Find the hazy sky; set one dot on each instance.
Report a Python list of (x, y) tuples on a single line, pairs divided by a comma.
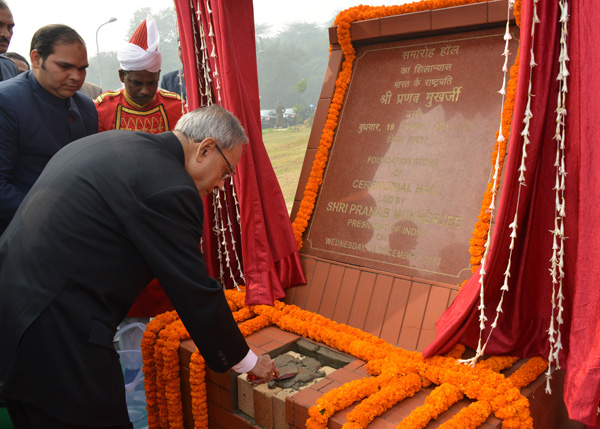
[(86, 16)]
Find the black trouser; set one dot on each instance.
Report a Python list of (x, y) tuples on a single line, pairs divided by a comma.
[(25, 416)]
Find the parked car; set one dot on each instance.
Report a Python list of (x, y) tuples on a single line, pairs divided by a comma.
[(268, 118), (290, 117)]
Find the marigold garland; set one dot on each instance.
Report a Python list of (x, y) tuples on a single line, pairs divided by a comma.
[(395, 374), (440, 400), (198, 386)]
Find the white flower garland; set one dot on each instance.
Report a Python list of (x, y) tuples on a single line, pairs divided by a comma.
[(496, 177), (223, 232), (558, 250)]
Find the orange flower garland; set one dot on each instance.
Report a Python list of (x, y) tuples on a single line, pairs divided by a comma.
[(198, 386), (394, 391), (470, 417), (149, 341), (395, 374), (171, 336), (436, 403)]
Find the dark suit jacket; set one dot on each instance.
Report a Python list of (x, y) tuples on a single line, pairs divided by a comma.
[(8, 69), (170, 82), (109, 213), (34, 125)]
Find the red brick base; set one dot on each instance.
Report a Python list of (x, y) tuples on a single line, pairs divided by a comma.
[(548, 411)]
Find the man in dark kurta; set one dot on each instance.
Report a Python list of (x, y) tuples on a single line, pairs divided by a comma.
[(40, 112), (109, 213)]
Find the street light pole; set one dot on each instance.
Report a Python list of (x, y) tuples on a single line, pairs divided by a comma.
[(113, 19)]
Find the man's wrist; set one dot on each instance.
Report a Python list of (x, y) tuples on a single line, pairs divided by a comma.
[(247, 363)]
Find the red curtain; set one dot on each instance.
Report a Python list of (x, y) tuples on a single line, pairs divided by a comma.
[(526, 313), (271, 261)]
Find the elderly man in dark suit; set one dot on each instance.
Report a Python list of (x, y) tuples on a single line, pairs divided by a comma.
[(109, 213)]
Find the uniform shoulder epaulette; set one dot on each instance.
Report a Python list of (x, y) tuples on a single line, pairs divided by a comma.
[(169, 94), (107, 94)]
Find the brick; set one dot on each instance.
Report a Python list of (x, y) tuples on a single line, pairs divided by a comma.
[(300, 415), (277, 334), (186, 404), (306, 398), (212, 392), (226, 419), (333, 358), (184, 376), (272, 347), (257, 350), (186, 349), (218, 395), (321, 383), (417, 22), (396, 414), (362, 372), (497, 11), (330, 387), (289, 410), (222, 379), (245, 395), (379, 423), (263, 405), (459, 16), (367, 29), (355, 364), (280, 409), (343, 376), (257, 339)]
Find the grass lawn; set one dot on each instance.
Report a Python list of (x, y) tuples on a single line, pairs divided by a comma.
[(286, 148)]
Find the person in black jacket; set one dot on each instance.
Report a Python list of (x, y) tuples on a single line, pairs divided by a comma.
[(8, 68), (41, 111), (109, 213), (175, 81)]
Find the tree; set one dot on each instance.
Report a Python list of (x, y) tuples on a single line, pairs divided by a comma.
[(166, 20), (299, 51)]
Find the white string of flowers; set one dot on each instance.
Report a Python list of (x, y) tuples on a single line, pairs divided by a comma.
[(496, 178), (213, 53), (180, 68), (557, 260), (219, 230), (202, 63), (233, 241)]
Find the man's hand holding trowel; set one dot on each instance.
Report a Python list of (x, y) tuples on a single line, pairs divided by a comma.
[(264, 370)]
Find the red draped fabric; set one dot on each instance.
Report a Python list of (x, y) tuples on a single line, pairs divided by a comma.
[(270, 258), (526, 313)]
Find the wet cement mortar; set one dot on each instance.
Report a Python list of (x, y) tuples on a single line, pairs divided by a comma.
[(307, 370)]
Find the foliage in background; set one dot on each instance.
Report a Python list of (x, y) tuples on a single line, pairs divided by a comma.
[(291, 63), (297, 53), (167, 27)]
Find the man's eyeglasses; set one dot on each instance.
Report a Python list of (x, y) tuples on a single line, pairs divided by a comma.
[(231, 173)]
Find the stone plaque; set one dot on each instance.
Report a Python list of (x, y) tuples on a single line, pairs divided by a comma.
[(412, 156)]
